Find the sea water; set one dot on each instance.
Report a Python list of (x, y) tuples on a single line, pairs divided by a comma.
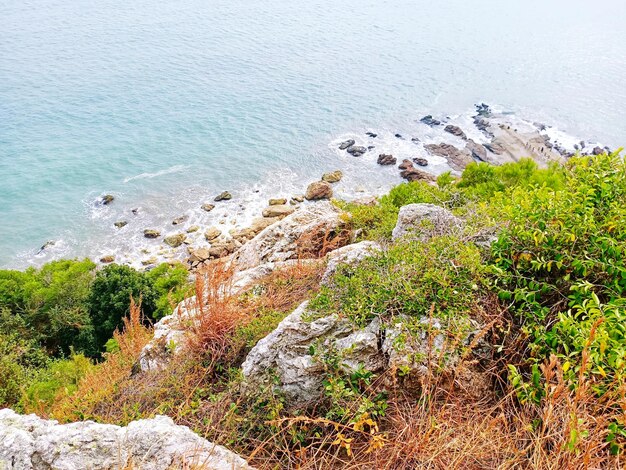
[(166, 104)]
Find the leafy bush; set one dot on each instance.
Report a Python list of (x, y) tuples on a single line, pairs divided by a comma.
[(171, 284), (561, 262), (52, 303)]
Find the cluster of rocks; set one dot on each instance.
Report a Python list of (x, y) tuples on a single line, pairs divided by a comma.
[(31, 443)]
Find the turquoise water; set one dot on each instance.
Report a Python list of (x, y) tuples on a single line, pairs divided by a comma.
[(165, 104)]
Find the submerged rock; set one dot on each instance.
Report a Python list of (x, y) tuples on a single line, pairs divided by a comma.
[(223, 196), (318, 190), (371, 134), (121, 223), (332, 177), (430, 121), (28, 442), (207, 207), (180, 220)]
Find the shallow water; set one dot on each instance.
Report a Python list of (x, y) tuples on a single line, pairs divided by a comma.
[(166, 104)]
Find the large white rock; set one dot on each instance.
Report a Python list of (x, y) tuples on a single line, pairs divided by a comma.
[(349, 254), (32, 443), (279, 242), (424, 221), (286, 353)]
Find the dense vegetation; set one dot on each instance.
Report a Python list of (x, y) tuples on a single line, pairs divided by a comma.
[(536, 271), (54, 318)]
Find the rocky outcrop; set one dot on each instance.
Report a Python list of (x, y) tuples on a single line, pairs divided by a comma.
[(457, 159), (318, 190), (420, 161), (456, 131), (107, 199), (278, 211), (410, 173), (346, 144), (424, 221), (281, 241), (430, 121), (32, 443), (356, 150)]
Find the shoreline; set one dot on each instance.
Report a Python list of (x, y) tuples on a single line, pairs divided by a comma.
[(443, 143)]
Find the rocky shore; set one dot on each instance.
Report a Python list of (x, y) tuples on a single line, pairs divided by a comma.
[(439, 144)]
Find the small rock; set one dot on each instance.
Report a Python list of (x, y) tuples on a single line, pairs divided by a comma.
[(207, 207), (319, 190), (356, 150), (406, 164), (346, 144), (277, 202), (261, 223), (121, 223), (151, 233), (371, 147), (278, 211), (386, 159), (135, 211), (399, 136), (332, 177), (175, 240), (456, 131), (107, 259), (429, 121), (298, 198), (199, 254), (149, 261), (223, 196), (371, 134), (597, 151), (46, 245), (193, 228), (180, 220), (242, 235), (107, 199), (212, 233), (421, 161), (415, 140)]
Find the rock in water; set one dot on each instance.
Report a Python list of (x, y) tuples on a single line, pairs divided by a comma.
[(455, 130), (180, 220), (332, 177), (107, 259), (425, 221), (457, 159), (356, 150), (223, 196), (207, 207), (175, 240), (318, 190), (421, 161), (32, 443), (151, 233), (429, 121), (386, 159), (107, 199), (121, 223), (346, 144)]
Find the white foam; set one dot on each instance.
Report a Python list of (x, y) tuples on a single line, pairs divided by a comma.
[(167, 171)]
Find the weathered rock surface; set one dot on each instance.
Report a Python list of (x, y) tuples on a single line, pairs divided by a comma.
[(456, 131), (107, 259), (318, 190), (32, 443), (280, 241), (107, 199), (349, 254), (420, 161), (121, 223), (386, 159), (410, 173), (424, 221), (207, 207), (278, 211), (457, 159), (212, 233), (333, 176)]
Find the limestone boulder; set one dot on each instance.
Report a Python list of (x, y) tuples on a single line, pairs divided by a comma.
[(424, 221)]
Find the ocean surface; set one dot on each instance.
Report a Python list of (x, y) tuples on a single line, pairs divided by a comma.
[(166, 104)]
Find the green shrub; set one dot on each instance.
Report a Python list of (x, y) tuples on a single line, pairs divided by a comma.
[(561, 262), (171, 284)]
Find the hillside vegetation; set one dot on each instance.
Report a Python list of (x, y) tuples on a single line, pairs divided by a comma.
[(523, 308)]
